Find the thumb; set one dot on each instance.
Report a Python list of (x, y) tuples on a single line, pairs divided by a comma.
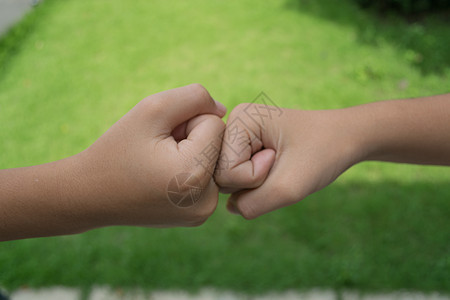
[(202, 146), (176, 106), (249, 174), (277, 191)]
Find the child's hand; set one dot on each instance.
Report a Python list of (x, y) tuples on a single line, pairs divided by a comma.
[(270, 160), (145, 170), (143, 176), (304, 151), (154, 166)]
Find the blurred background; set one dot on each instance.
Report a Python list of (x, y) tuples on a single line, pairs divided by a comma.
[(70, 69)]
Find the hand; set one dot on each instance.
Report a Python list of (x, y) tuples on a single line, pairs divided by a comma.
[(144, 170), (277, 160), (155, 147)]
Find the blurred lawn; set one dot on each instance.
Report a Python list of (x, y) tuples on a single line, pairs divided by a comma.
[(72, 68)]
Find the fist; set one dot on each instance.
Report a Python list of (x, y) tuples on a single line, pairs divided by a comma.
[(154, 166), (274, 157)]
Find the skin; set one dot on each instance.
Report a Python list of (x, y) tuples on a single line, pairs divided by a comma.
[(270, 158), (282, 158), (122, 178)]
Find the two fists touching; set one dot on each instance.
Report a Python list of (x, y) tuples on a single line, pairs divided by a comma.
[(163, 163), (274, 157), (158, 141)]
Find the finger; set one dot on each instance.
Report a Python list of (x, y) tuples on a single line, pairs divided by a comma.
[(242, 163), (276, 192), (202, 146), (249, 174), (207, 204), (178, 105)]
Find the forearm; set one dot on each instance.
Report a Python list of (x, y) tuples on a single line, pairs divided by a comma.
[(43, 200), (406, 131)]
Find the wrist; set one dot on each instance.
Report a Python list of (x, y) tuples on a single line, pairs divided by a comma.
[(374, 129), (348, 134), (75, 198), (89, 191)]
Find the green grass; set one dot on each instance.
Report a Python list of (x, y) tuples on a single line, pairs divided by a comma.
[(72, 68)]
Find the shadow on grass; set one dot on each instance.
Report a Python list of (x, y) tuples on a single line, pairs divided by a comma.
[(367, 236), (425, 43)]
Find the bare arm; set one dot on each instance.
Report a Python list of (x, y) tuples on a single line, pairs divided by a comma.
[(407, 131), (281, 160), (43, 200), (122, 179)]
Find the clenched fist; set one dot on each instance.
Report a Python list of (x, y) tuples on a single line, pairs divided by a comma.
[(148, 169), (275, 157)]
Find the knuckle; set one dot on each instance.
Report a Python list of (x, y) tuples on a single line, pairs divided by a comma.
[(197, 86), (239, 109), (216, 124), (200, 90), (240, 120)]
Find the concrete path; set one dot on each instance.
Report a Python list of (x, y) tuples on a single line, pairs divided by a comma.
[(103, 293), (12, 11)]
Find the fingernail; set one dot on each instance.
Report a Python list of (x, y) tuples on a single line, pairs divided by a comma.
[(221, 107)]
